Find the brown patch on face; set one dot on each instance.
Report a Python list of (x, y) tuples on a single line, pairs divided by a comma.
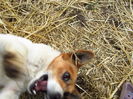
[(59, 66), (66, 66)]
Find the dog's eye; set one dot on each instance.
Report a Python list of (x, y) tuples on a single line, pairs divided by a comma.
[(66, 76)]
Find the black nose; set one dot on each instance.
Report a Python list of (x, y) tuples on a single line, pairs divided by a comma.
[(54, 96)]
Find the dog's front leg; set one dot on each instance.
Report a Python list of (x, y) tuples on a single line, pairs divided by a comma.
[(10, 91), (9, 94)]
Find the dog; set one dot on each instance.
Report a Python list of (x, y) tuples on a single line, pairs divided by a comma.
[(25, 65)]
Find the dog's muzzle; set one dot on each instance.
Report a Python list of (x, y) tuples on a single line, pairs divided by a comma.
[(39, 85)]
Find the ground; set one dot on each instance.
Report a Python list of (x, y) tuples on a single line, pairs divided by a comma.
[(103, 26)]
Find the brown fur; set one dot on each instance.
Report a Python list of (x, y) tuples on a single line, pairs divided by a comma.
[(69, 62), (59, 66)]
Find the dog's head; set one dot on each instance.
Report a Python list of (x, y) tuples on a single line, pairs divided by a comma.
[(59, 80)]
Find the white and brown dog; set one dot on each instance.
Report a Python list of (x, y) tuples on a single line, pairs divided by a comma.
[(38, 68)]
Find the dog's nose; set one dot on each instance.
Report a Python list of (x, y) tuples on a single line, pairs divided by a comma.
[(54, 96)]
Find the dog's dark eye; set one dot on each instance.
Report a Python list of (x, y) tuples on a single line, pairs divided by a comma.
[(66, 76)]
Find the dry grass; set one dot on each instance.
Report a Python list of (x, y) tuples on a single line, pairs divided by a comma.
[(105, 26)]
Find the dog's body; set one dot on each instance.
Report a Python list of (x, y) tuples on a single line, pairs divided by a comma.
[(36, 67), (35, 55)]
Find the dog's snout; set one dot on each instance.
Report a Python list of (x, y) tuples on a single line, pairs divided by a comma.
[(54, 96)]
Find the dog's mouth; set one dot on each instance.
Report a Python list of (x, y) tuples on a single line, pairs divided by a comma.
[(39, 85)]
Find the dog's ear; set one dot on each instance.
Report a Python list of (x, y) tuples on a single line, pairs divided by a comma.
[(81, 57)]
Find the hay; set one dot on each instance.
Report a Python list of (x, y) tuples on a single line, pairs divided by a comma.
[(105, 26)]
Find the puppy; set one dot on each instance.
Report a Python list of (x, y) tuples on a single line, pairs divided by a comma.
[(38, 68)]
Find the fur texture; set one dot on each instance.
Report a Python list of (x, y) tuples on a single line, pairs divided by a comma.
[(38, 67), (20, 61)]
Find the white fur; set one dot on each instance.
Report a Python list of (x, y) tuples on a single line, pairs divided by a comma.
[(53, 85), (38, 57)]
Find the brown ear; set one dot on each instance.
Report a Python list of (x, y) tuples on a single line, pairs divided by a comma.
[(82, 57)]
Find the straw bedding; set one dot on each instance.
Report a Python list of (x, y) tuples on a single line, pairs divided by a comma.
[(104, 26)]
